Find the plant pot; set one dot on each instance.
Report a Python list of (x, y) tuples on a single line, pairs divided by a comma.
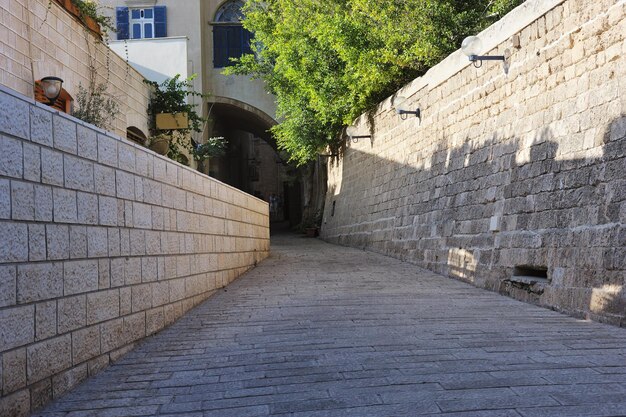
[(160, 145), (312, 231), (87, 21), (70, 7), (92, 25), (172, 121), (182, 159)]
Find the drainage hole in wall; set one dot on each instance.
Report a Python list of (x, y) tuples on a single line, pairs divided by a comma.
[(530, 274)]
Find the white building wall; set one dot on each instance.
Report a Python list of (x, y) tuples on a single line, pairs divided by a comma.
[(156, 59)]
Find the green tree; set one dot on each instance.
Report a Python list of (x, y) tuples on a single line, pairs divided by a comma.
[(329, 61)]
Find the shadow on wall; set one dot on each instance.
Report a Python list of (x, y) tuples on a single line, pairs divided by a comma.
[(481, 213)]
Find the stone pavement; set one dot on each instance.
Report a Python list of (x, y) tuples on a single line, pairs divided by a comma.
[(322, 330)]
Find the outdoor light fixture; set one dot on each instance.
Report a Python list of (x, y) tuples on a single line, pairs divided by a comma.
[(51, 87), (472, 46), (400, 104), (353, 132)]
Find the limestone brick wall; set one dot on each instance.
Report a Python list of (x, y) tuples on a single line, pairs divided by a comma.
[(39, 38), (102, 243), (508, 175)]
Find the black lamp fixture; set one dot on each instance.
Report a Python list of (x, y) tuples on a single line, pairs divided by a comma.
[(353, 132), (472, 46), (51, 87), (400, 104)]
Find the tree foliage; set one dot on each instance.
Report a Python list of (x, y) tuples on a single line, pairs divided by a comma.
[(327, 61)]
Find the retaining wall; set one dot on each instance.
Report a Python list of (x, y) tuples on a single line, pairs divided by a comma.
[(39, 38), (513, 181), (102, 243)]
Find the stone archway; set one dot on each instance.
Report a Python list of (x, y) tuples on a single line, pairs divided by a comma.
[(236, 113), (252, 162)]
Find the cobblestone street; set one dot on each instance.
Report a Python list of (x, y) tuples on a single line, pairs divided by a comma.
[(322, 330)]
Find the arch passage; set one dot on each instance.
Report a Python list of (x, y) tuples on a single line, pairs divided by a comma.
[(252, 162)]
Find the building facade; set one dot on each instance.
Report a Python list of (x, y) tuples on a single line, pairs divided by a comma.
[(162, 38)]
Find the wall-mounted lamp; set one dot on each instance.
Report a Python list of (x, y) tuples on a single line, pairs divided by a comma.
[(354, 134), (51, 87), (472, 46), (400, 104)]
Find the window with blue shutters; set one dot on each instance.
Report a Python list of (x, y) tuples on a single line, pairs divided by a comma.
[(230, 38), (141, 23), (121, 15), (160, 22)]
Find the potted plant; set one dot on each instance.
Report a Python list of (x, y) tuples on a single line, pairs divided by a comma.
[(87, 12), (170, 114), (168, 108), (312, 231), (311, 224), (160, 143)]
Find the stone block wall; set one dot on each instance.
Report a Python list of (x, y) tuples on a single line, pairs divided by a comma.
[(102, 243), (513, 181), (39, 38)]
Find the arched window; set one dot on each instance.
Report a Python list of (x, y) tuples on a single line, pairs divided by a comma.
[(230, 39), (136, 135), (230, 12)]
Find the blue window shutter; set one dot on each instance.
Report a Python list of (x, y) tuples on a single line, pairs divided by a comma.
[(160, 22), (220, 46), (121, 14), (247, 41), (235, 42)]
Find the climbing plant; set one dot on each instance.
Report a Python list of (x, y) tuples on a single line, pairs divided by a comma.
[(94, 103)]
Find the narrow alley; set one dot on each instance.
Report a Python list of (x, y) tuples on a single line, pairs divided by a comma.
[(322, 330)]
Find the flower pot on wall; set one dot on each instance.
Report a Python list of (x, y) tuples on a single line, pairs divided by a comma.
[(312, 231), (160, 144), (92, 25), (87, 21), (172, 121), (70, 7), (182, 159)]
